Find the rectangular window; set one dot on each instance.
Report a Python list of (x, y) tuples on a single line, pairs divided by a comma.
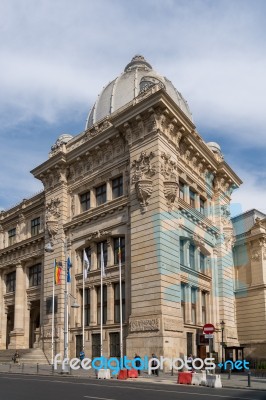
[(11, 282), (87, 307), (192, 256), (117, 302), (99, 304), (117, 187), (203, 305), (182, 254), (115, 344), (202, 262), (85, 201), (49, 305), (183, 300), (95, 345), (193, 305), (35, 226), (182, 190), (116, 248), (100, 193), (99, 254), (11, 236), (35, 275), (192, 196), (202, 206)]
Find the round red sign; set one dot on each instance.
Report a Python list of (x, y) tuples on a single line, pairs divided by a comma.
[(208, 329)]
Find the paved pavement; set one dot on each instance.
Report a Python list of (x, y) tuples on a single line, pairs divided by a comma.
[(237, 380)]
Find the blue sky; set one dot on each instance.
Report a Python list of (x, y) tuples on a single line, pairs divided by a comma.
[(57, 55)]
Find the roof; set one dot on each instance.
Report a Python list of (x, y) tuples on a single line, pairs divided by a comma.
[(136, 78)]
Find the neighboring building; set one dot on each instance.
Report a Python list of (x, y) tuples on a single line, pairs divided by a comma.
[(250, 277), (142, 173)]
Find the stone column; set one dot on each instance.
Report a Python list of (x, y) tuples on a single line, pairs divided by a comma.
[(188, 304), (109, 194), (197, 202), (17, 335), (92, 198), (110, 304), (110, 253), (186, 193), (2, 314), (197, 259), (93, 247), (1, 237), (93, 305), (199, 308)]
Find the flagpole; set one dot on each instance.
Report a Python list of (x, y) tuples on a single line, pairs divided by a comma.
[(66, 306), (120, 295), (83, 306), (101, 344), (52, 361)]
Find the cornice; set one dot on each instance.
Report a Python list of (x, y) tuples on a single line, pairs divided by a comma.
[(22, 250), (99, 212), (197, 218)]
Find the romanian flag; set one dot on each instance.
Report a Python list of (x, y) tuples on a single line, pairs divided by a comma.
[(57, 272)]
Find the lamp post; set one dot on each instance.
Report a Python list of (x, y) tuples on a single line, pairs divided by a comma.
[(222, 323)]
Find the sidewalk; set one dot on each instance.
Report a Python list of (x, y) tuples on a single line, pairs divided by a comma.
[(237, 380)]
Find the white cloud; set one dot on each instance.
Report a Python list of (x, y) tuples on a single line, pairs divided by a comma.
[(56, 56)]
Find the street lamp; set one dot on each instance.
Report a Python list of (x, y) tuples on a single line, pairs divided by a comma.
[(222, 323), (50, 249)]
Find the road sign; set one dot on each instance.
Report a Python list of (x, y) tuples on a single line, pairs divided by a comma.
[(208, 336), (208, 329)]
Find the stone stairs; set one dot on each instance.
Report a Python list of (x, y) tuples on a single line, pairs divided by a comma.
[(27, 356)]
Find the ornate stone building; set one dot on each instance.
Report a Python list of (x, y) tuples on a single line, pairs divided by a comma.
[(250, 278), (142, 173)]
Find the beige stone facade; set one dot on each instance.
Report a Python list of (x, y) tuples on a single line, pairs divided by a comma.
[(250, 278), (142, 173)]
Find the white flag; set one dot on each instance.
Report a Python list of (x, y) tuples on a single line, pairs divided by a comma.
[(102, 262), (86, 264)]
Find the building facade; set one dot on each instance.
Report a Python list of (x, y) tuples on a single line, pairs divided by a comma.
[(141, 174), (250, 281)]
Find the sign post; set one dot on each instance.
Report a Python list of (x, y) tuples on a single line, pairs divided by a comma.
[(208, 331)]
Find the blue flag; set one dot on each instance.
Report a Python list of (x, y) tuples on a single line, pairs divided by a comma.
[(69, 265)]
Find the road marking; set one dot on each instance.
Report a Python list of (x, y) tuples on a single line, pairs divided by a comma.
[(136, 388), (100, 398)]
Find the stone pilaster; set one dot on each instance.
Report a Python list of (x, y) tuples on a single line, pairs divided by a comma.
[(93, 301), (110, 304), (199, 308), (17, 335)]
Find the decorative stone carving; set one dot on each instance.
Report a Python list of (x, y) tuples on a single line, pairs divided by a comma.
[(144, 191), (142, 168), (169, 171), (52, 215), (168, 167), (145, 325), (170, 192), (142, 172)]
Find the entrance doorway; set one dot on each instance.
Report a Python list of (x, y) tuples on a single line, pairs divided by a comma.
[(115, 344), (9, 324), (78, 345), (34, 333)]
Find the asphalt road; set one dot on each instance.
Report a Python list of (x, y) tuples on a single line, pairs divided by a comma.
[(25, 387)]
